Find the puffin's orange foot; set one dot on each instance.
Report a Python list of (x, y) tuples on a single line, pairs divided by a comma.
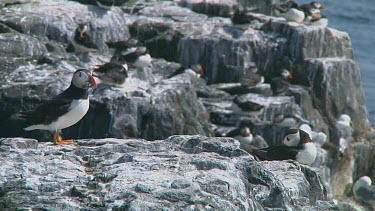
[(64, 142)]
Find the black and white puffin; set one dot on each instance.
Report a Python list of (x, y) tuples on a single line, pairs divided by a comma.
[(194, 70), (242, 105), (82, 40), (285, 120), (64, 110), (280, 84), (242, 134), (112, 73), (297, 145), (135, 56), (290, 11), (251, 79)]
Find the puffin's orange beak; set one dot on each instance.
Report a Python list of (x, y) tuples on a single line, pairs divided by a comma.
[(201, 72), (290, 76), (92, 81), (81, 34)]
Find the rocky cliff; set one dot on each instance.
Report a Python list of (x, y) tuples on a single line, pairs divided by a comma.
[(36, 64)]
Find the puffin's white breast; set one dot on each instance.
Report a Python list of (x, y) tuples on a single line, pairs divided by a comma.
[(294, 15), (308, 154), (143, 61), (77, 110)]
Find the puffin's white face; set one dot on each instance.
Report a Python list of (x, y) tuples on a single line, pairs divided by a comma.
[(292, 138), (83, 80), (286, 74)]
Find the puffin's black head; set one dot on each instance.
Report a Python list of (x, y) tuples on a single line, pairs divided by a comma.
[(82, 28), (317, 5), (83, 79), (198, 69), (292, 137)]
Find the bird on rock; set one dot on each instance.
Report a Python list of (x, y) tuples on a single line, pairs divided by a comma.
[(243, 135), (363, 191), (313, 4), (285, 120), (290, 11), (112, 73), (82, 40), (342, 132), (297, 145), (243, 106), (195, 70), (251, 79), (131, 53), (64, 110), (280, 84)]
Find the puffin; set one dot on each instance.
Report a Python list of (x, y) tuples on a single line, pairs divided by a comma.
[(313, 4), (285, 120), (280, 84), (243, 106), (63, 110), (319, 138), (242, 134), (363, 191), (82, 40), (251, 79), (112, 73), (318, 20), (297, 145), (196, 70), (290, 11), (342, 132), (135, 57)]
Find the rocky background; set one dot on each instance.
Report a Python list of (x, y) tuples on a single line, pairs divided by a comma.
[(181, 172)]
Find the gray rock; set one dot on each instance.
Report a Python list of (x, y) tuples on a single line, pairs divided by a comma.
[(35, 176)]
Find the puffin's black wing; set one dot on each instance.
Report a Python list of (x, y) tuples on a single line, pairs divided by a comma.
[(132, 55), (279, 85), (250, 79), (233, 133), (247, 105), (85, 40), (46, 112), (177, 72), (280, 152)]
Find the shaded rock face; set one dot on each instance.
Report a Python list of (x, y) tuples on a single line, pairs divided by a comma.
[(181, 172), (318, 57)]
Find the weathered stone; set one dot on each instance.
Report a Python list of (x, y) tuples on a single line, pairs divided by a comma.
[(49, 177)]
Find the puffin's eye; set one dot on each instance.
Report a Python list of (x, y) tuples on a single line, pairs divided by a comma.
[(80, 74)]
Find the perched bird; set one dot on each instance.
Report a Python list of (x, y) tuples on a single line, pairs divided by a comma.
[(318, 20), (280, 84), (135, 56), (285, 120), (251, 79), (194, 70), (319, 138), (363, 191), (259, 142), (313, 4), (108, 4), (64, 110), (290, 11), (242, 105), (342, 132), (82, 40), (123, 44), (243, 135), (297, 145), (112, 73)]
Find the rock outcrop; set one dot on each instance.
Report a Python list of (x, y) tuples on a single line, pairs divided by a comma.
[(181, 172)]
